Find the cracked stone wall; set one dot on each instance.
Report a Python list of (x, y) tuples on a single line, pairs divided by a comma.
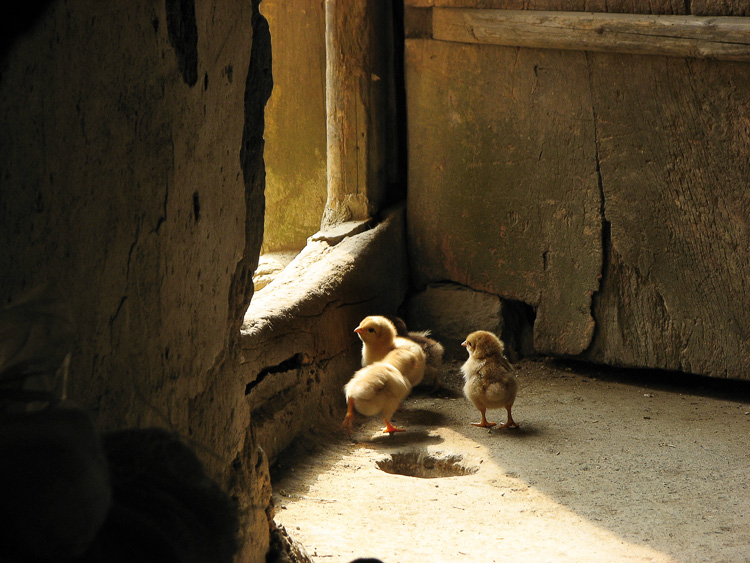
[(607, 192), (131, 177)]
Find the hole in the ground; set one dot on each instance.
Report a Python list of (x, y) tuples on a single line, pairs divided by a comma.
[(425, 466)]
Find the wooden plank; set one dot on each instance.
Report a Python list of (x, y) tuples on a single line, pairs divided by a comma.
[(725, 38), (674, 155), (672, 7), (503, 188)]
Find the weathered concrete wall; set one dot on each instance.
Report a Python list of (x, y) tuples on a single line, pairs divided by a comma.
[(609, 192), (132, 176), (295, 124)]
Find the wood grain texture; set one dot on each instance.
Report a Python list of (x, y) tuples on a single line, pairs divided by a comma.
[(360, 100), (503, 192), (610, 6), (667, 7), (726, 38), (532, 172), (674, 145), (720, 7)]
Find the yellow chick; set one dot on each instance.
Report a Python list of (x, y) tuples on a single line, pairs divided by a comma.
[(489, 379), (432, 348), (379, 337), (380, 387)]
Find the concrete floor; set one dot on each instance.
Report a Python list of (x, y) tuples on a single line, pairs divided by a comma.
[(607, 465)]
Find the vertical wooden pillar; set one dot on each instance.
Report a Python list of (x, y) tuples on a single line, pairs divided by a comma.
[(359, 50)]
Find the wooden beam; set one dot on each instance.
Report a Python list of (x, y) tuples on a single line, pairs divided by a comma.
[(725, 38)]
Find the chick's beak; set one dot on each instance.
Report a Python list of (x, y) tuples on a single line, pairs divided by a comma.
[(464, 344), (359, 330)]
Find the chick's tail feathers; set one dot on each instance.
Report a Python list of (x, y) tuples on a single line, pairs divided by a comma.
[(420, 333), (503, 361), (365, 384)]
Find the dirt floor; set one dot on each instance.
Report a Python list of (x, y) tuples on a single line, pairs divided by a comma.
[(607, 466)]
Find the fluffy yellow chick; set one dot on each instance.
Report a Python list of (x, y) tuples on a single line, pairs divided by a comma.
[(380, 387), (379, 337), (432, 348), (489, 379)]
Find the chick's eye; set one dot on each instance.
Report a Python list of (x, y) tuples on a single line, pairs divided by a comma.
[(370, 330)]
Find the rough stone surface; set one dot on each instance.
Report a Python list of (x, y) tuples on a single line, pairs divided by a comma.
[(107, 165), (270, 265), (298, 342), (451, 312), (139, 192)]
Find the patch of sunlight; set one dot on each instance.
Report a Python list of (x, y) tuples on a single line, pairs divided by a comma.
[(351, 509), (270, 265)]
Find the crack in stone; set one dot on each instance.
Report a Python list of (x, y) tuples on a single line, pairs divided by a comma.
[(606, 226), (183, 36), (294, 362)]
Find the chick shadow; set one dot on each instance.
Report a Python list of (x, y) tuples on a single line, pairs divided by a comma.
[(439, 393), (408, 418), (524, 431), (397, 439), (421, 417)]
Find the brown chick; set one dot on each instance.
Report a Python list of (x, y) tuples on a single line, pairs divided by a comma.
[(379, 337), (432, 348), (489, 379), (380, 387)]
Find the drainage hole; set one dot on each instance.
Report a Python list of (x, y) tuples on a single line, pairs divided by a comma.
[(425, 466)]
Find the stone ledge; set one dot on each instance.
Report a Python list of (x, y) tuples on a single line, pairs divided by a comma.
[(298, 342)]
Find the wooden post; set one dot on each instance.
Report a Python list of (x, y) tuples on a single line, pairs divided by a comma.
[(358, 79)]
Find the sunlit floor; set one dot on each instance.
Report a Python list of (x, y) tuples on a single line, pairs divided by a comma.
[(604, 468)]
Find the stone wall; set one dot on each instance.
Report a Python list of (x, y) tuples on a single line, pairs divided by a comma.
[(132, 178), (608, 192)]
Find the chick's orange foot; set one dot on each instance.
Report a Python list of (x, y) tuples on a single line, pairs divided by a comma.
[(390, 429)]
